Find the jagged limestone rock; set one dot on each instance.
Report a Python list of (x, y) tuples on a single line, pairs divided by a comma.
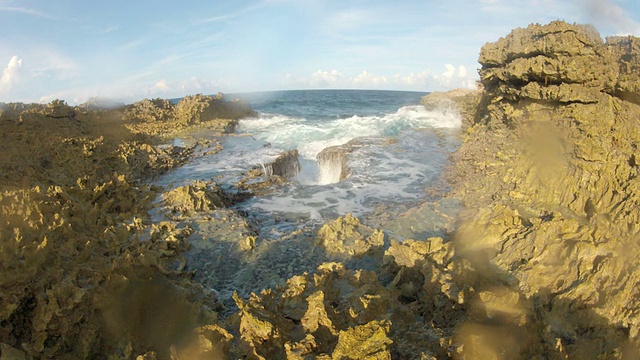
[(75, 224), (347, 236), (549, 178), (162, 118), (196, 197), (367, 341), (312, 313)]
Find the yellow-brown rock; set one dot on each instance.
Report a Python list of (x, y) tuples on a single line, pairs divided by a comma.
[(549, 177), (346, 236)]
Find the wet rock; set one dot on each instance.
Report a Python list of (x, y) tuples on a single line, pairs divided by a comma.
[(263, 179), (286, 165), (462, 102), (332, 164)]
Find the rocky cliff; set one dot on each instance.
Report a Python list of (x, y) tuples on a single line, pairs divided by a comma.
[(162, 117), (549, 177)]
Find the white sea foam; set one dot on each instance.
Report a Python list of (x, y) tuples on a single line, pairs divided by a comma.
[(311, 137), (383, 172)]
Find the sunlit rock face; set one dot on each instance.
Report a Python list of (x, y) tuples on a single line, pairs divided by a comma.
[(551, 182)]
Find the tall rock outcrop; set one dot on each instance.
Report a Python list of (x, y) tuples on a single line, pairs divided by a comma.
[(549, 176)]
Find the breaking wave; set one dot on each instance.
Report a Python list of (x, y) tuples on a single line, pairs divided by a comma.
[(310, 137)]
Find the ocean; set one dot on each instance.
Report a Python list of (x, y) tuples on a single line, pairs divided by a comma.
[(397, 150)]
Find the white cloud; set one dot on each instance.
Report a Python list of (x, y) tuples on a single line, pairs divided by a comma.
[(161, 86), (10, 73), (413, 79), (27, 11), (330, 78), (451, 70), (364, 79), (606, 13), (424, 80), (462, 71), (192, 85)]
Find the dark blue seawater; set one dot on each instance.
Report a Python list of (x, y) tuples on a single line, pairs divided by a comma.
[(330, 104)]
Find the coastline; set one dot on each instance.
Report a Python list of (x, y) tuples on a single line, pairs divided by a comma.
[(541, 263)]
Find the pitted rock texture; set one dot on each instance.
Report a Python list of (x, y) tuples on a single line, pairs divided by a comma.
[(84, 271), (160, 117), (549, 177)]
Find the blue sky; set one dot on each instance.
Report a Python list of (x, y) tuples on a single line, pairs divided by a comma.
[(129, 50)]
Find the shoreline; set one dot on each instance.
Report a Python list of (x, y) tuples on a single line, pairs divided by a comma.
[(541, 263)]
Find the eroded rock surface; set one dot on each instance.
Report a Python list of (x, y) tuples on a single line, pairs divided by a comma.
[(160, 117), (549, 177), (85, 272), (542, 263), (332, 164)]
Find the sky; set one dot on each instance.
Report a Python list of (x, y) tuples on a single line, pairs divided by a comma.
[(129, 50)]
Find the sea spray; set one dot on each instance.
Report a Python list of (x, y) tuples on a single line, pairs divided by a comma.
[(332, 165), (310, 137)]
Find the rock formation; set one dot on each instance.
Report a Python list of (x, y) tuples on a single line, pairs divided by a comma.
[(79, 255), (263, 179), (543, 262), (549, 177), (332, 164), (286, 165), (162, 117)]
